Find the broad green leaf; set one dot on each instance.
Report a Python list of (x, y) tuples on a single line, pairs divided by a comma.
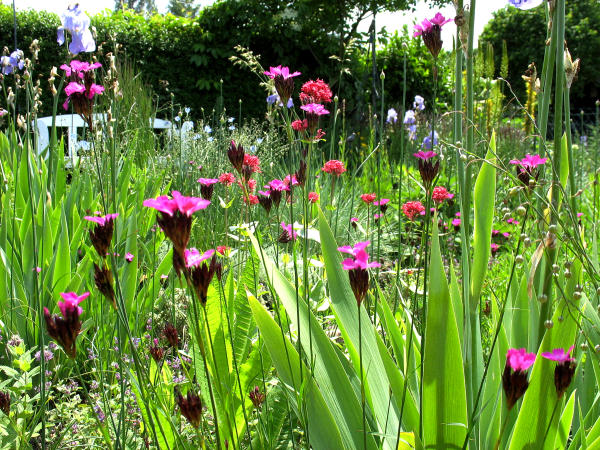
[(323, 430), (444, 400), (564, 427), (541, 398), (344, 307), (328, 371)]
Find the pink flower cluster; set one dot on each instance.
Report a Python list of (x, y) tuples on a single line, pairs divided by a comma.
[(360, 257)]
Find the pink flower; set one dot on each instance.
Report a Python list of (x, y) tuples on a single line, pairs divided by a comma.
[(315, 108), (383, 201), (494, 248), (71, 303), (530, 161), (519, 360), (265, 193), (252, 200), (440, 194), (334, 167), (286, 181), (559, 355), (378, 216), (251, 164), (129, 257), (360, 257), (412, 209), (313, 197), (300, 125), (95, 89), (79, 67), (207, 181), (280, 71), (425, 155), (288, 233), (277, 185), (368, 198), (101, 220), (74, 88), (315, 92), (440, 20), (513, 221), (223, 249), (423, 27), (193, 257), (227, 178), (185, 205), (456, 223)]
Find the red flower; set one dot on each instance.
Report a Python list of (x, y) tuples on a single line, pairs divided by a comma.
[(313, 197), (227, 178), (300, 125), (252, 162), (252, 199), (412, 209), (315, 92), (368, 198), (440, 194), (334, 167)]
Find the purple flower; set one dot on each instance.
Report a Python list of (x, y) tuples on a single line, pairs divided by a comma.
[(11, 62), (427, 140), (525, 4), (409, 117), (392, 116), (76, 22), (559, 355), (419, 103)]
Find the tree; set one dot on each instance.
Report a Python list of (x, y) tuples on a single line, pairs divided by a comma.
[(183, 8), (525, 36), (139, 6)]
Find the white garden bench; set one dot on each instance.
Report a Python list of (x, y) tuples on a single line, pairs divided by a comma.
[(74, 122)]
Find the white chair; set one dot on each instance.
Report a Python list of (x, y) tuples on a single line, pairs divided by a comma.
[(73, 123)]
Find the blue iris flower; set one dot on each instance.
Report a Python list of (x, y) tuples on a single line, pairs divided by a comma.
[(11, 62), (76, 22)]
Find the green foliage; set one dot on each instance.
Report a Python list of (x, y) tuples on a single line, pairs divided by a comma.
[(525, 35)]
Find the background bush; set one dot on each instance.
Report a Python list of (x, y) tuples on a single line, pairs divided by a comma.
[(192, 55)]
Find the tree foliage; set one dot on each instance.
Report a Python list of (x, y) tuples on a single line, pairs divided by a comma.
[(525, 35)]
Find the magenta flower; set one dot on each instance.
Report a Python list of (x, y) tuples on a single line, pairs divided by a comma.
[(425, 155), (74, 88), (288, 234), (79, 67), (129, 257), (277, 185), (383, 201), (315, 108), (519, 360), (440, 20), (265, 193), (530, 161), (101, 220), (280, 71), (71, 303), (559, 355), (423, 27), (185, 205), (193, 257), (360, 258)]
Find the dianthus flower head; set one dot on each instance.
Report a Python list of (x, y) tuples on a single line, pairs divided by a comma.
[(514, 378), (357, 267), (227, 178), (564, 370), (207, 187), (431, 32), (425, 155), (300, 125), (64, 330), (193, 257), (334, 166), (440, 193), (368, 198), (530, 161), (315, 92), (315, 108), (102, 233), (412, 209), (383, 204), (288, 234), (427, 168), (283, 80), (236, 156), (277, 185), (251, 164), (176, 222), (313, 197)]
